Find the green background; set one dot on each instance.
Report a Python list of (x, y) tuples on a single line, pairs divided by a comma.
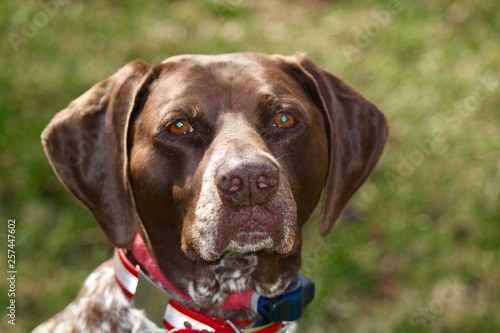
[(418, 247)]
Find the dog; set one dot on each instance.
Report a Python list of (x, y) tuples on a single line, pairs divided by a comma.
[(201, 170)]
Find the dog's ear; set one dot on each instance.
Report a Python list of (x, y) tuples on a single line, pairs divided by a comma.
[(357, 133), (87, 146)]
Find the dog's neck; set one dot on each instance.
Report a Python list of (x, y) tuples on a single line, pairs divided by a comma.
[(223, 288), (140, 279)]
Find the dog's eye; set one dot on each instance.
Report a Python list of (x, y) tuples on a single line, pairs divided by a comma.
[(284, 120), (180, 127)]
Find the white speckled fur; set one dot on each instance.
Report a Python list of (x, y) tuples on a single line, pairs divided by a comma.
[(100, 307)]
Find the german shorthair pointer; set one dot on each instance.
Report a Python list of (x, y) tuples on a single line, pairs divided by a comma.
[(201, 170)]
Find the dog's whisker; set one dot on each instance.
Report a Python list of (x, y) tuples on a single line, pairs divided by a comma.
[(280, 157)]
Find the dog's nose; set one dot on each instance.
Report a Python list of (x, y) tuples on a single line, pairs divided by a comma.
[(247, 182)]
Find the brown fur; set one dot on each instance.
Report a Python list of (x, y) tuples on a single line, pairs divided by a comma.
[(220, 207)]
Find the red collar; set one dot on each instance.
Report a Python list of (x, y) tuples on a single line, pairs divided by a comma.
[(153, 293)]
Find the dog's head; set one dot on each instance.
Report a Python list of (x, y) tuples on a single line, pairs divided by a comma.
[(209, 155)]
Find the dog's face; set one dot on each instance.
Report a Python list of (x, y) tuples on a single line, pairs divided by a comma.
[(217, 161), (232, 151)]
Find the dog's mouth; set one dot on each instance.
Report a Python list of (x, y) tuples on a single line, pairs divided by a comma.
[(247, 230), (244, 242), (256, 229)]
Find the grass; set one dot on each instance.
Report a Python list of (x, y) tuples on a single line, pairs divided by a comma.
[(419, 249)]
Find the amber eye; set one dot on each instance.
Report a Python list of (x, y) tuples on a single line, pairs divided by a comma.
[(284, 120), (180, 127)]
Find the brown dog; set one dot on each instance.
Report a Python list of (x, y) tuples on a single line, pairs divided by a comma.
[(216, 162)]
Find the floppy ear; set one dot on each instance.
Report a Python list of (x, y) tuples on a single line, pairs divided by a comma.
[(357, 132), (87, 146)]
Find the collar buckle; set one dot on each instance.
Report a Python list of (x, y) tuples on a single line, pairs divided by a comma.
[(286, 307)]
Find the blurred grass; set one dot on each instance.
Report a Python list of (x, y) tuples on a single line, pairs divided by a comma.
[(418, 250)]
